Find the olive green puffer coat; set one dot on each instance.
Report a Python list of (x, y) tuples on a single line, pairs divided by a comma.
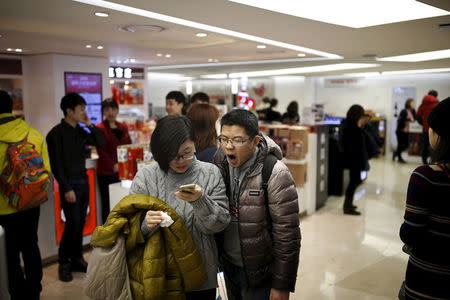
[(165, 265)]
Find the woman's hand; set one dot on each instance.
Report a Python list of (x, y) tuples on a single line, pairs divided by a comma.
[(190, 195), (153, 218)]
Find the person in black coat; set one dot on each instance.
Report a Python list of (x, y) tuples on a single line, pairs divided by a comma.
[(406, 116), (355, 154)]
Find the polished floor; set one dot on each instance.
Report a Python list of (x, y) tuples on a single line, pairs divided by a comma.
[(342, 257)]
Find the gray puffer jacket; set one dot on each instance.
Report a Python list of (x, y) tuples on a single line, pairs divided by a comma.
[(269, 233)]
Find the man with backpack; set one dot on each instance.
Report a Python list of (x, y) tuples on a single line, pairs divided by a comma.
[(22, 151), (260, 248), (66, 146)]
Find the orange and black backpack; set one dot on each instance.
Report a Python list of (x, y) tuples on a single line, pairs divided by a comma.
[(24, 181)]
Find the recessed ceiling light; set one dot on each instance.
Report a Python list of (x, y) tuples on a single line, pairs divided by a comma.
[(9, 49), (204, 27), (88, 46), (132, 60), (210, 60), (18, 50), (99, 47), (158, 54), (335, 12), (168, 55), (201, 34), (301, 54), (1, 35), (303, 70), (261, 46), (101, 14), (423, 56)]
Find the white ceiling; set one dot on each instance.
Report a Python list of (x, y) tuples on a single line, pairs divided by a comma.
[(65, 26)]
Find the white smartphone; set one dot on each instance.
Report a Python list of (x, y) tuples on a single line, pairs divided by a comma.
[(187, 187)]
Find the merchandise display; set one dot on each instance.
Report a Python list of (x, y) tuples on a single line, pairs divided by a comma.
[(132, 158)]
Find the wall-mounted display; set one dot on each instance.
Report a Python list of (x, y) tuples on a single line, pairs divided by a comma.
[(89, 86)]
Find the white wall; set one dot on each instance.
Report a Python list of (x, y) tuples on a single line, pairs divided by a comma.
[(157, 87), (290, 88), (44, 85)]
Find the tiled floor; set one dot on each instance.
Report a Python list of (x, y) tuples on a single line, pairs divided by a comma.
[(342, 257)]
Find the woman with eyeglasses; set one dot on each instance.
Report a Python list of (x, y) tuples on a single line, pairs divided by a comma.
[(203, 208)]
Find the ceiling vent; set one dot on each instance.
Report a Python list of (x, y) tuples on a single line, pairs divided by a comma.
[(142, 28), (369, 56)]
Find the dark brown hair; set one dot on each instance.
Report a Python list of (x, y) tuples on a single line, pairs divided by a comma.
[(408, 103), (203, 118)]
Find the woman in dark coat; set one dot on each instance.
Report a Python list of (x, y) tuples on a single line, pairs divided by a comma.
[(354, 150), (291, 116), (406, 116)]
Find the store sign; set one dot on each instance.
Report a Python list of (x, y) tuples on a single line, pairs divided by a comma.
[(126, 73), (343, 82)]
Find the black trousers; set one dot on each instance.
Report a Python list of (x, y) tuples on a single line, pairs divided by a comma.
[(402, 141), (425, 147), (21, 238), (103, 183), (75, 214), (355, 181)]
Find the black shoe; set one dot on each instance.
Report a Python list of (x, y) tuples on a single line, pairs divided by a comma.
[(78, 265), (353, 207), (401, 160), (353, 212), (64, 272)]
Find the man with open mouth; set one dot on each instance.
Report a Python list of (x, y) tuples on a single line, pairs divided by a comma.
[(261, 246)]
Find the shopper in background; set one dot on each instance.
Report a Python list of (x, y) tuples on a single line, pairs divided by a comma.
[(200, 98), (426, 229), (20, 227), (261, 246), (291, 115), (271, 114), (176, 103), (203, 118), (262, 108), (407, 115), (115, 134), (428, 103), (204, 209), (353, 146), (66, 146)]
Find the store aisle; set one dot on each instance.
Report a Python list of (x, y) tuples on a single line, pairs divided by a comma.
[(357, 257), (342, 257)]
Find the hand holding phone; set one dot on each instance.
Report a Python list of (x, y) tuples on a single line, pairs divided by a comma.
[(189, 192)]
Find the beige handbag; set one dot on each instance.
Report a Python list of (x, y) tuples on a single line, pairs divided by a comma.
[(107, 273)]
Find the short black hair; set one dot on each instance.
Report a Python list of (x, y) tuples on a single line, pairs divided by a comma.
[(354, 113), (109, 102), (433, 93), (71, 100), (6, 102), (200, 96), (243, 118), (273, 102), (170, 133), (177, 96)]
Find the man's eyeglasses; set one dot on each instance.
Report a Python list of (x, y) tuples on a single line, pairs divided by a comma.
[(186, 156), (236, 141)]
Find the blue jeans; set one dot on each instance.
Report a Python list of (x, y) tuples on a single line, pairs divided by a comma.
[(238, 287)]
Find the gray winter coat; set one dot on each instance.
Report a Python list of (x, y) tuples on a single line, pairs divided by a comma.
[(269, 232)]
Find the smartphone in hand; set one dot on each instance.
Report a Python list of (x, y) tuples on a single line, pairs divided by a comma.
[(187, 188)]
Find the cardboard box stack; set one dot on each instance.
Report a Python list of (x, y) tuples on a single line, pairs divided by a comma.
[(293, 141)]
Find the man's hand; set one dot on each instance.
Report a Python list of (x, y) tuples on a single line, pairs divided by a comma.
[(190, 195), (153, 218), (70, 196), (278, 294), (87, 121), (116, 168)]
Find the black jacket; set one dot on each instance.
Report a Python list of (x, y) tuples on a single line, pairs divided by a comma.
[(66, 149), (353, 145)]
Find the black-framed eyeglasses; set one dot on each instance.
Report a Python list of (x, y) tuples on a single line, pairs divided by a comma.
[(236, 141), (186, 156)]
